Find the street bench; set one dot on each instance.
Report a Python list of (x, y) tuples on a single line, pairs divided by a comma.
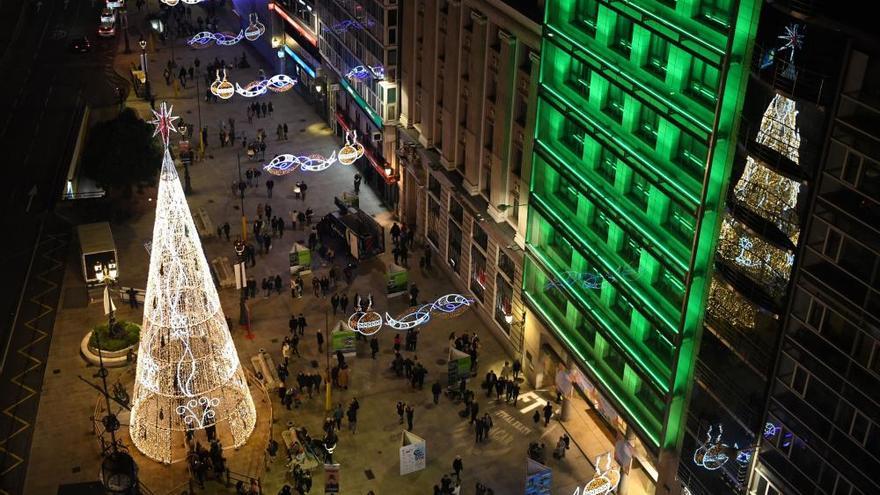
[(264, 365), (204, 224), (223, 268)]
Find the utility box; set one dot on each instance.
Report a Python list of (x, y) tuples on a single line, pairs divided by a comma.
[(96, 246)]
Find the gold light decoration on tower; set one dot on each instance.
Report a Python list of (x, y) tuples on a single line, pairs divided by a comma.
[(188, 373)]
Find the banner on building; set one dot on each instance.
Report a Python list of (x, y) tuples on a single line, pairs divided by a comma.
[(331, 478), (539, 478), (413, 455)]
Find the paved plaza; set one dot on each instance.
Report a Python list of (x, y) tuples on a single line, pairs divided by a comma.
[(65, 449)]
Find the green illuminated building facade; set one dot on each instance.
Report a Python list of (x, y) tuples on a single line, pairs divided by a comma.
[(637, 115)]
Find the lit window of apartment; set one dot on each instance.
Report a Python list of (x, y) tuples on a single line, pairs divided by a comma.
[(621, 39)]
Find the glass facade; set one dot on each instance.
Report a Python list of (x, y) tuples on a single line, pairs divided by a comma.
[(636, 120)]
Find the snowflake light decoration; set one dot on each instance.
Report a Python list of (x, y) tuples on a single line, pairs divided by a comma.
[(164, 122), (349, 25), (793, 40)]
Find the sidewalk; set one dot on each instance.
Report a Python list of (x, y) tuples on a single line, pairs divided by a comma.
[(63, 444)]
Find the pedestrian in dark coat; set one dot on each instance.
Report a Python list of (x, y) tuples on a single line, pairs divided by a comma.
[(548, 413), (320, 337), (410, 412)]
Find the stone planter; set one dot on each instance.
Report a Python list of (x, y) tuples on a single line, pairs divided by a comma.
[(112, 359)]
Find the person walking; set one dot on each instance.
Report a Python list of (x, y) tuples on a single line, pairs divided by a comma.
[(278, 284), (352, 418), (505, 371), (457, 467), (284, 128), (436, 389), (400, 410), (374, 347), (548, 413), (410, 412), (226, 229), (475, 409), (338, 414), (270, 108), (413, 295), (395, 233), (270, 184), (343, 303), (301, 323), (357, 183), (517, 368), (319, 336), (334, 302)]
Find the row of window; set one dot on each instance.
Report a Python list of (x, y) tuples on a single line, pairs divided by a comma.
[(650, 51), (683, 149), (612, 369)]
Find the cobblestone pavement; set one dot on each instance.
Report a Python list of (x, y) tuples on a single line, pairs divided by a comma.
[(65, 450)]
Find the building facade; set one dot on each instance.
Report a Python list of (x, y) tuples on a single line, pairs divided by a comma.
[(638, 111), (821, 429), (294, 38), (468, 82), (358, 42)]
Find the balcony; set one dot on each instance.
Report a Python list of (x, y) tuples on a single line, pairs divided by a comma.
[(741, 404), (795, 81)]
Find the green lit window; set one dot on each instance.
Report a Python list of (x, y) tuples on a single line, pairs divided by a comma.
[(587, 15), (649, 124), (703, 82), (587, 331), (622, 309), (631, 253), (557, 298), (621, 41), (600, 226), (670, 288), (606, 165), (660, 345), (716, 12), (615, 361), (639, 189), (614, 103), (680, 223), (579, 75), (573, 137), (692, 154), (658, 56), (650, 400), (567, 194), (561, 247)]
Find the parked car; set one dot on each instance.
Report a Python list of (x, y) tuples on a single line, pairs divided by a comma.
[(108, 15)]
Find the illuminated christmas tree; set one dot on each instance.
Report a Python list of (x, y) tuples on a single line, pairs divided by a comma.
[(188, 373)]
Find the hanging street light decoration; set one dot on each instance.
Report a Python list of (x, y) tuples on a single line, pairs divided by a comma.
[(222, 88), (205, 39), (285, 164), (362, 72), (255, 28), (712, 454), (278, 83), (604, 481), (349, 25), (172, 3), (369, 322), (352, 150)]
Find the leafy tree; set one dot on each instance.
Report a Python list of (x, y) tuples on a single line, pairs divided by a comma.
[(122, 152)]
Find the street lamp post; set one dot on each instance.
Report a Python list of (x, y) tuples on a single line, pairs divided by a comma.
[(106, 274), (143, 44), (187, 185), (197, 63), (241, 199)]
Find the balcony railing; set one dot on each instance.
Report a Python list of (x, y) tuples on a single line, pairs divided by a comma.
[(797, 81), (755, 352), (732, 398)]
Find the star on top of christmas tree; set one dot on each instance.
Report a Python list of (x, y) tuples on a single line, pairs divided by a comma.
[(164, 122)]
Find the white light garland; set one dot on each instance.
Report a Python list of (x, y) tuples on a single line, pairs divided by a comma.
[(277, 83), (204, 39), (255, 28), (172, 3), (369, 322), (712, 454), (604, 481), (362, 72), (222, 88), (188, 372), (352, 150)]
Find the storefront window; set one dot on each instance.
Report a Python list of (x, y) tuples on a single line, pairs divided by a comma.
[(479, 278), (503, 302), (454, 249), (433, 223)]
